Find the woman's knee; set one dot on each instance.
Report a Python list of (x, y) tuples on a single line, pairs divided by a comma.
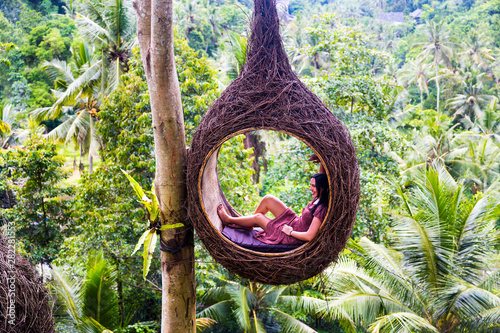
[(270, 198)]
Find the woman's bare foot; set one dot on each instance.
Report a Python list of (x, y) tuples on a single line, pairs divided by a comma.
[(222, 214)]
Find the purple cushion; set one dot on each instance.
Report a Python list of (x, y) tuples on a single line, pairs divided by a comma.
[(244, 238)]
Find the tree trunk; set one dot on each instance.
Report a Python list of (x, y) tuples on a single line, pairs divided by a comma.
[(91, 163), (437, 84), (421, 100), (156, 41)]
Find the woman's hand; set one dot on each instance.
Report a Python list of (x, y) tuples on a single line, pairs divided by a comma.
[(314, 158), (287, 230)]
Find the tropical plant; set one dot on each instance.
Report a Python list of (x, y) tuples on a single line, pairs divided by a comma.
[(437, 278), (235, 46), (477, 48), (41, 215), (478, 161), (149, 237), (250, 304), (416, 73), (437, 47), (110, 24), (432, 143), (6, 120), (80, 86), (89, 304), (469, 100), (488, 123)]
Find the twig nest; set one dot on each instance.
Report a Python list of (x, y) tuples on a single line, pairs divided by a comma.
[(24, 302), (268, 95)]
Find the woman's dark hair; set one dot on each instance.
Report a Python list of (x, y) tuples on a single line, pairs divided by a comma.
[(323, 189)]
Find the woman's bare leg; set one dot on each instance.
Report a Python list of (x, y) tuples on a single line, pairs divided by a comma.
[(270, 203), (256, 220)]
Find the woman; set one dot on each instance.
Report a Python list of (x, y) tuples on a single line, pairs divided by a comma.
[(286, 228)]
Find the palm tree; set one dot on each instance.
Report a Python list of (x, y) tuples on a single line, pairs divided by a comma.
[(109, 24), (189, 12), (236, 48), (80, 86), (470, 99), (477, 48), (249, 304), (489, 121), (416, 73), (91, 304), (479, 161), (436, 279), (438, 47), (431, 144)]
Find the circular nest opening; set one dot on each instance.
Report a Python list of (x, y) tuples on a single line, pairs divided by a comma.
[(268, 95), (211, 181)]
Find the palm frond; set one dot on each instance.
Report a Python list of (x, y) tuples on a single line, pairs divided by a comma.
[(306, 304), (401, 322), (202, 323), (69, 292), (476, 229), (241, 296), (491, 281), (290, 324), (272, 296), (59, 69), (100, 301), (218, 311), (85, 80), (486, 321), (92, 31)]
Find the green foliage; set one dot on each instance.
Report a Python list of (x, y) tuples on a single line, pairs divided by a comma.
[(197, 82), (41, 216), (149, 237), (253, 306), (89, 304), (350, 83), (5, 48), (435, 279), (235, 175), (377, 148), (49, 40), (107, 213)]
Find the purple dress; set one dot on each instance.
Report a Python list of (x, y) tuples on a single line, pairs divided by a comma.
[(274, 234)]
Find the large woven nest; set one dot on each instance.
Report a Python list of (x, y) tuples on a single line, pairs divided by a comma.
[(32, 310), (268, 95)]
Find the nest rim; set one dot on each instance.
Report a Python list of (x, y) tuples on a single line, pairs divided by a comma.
[(202, 205)]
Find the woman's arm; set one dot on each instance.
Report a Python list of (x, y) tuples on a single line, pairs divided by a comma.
[(305, 235), (315, 159)]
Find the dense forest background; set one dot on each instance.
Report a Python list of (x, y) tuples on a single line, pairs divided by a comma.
[(415, 82)]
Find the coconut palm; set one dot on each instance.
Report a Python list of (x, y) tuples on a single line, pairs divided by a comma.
[(249, 304), (488, 122), (479, 161), (431, 144), (235, 47), (415, 72), (437, 278), (477, 48), (109, 24), (437, 47), (90, 304), (80, 86), (469, 99)]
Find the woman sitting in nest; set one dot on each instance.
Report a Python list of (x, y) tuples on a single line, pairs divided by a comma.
[(286, 228)]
